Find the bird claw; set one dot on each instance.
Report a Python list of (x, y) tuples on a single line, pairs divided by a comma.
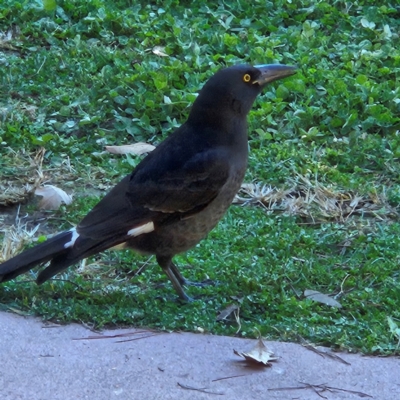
[(206, 282), (186, 299)]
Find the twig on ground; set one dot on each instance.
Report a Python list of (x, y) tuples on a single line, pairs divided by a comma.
[(320, 388), (203, 390)]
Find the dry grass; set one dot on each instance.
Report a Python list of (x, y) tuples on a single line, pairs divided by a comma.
[(316, 202), (22, 175), (310, 200), (15, 238)]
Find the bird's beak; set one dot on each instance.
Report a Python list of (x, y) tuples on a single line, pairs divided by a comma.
[(272, 72)]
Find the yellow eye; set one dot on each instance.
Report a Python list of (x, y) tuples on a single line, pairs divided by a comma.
[(246, 77)]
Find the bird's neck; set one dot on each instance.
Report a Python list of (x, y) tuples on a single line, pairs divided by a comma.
[(220, 126), (220, 119), (224, 116)]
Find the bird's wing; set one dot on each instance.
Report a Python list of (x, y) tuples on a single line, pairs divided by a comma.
[(151, 193), (185, 190), (112, 216)]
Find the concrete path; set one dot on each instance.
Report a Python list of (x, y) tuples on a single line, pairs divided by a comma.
[(40, 361)]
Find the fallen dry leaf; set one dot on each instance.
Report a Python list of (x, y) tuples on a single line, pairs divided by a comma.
[(394, 330), (321, 298), (52, 197), (227, 312), (260, 354), (159, 51), (137, 148)]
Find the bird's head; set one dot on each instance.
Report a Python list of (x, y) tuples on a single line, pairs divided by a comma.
[(233, 90)]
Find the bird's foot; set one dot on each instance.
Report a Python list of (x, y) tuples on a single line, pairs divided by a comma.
[(206, 282), (186, 299)]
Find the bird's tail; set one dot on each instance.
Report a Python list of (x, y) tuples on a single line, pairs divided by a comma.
[(35, 256)]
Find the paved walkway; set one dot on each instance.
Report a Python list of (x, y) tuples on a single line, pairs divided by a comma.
[(42, 361)]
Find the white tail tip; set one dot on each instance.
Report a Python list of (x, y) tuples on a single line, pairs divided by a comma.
[(74, 236)]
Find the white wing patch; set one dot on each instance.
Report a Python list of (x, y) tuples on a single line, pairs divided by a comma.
[(74, 236), (139, 230)]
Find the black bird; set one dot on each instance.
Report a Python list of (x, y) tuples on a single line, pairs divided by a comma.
[(176, 194)]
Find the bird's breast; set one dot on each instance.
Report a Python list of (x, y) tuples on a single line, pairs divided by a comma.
[(181, 235)]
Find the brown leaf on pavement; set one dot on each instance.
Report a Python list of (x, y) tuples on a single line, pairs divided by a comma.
[(259, 354)]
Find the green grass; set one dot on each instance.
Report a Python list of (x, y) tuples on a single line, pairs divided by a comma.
[(75, 75)]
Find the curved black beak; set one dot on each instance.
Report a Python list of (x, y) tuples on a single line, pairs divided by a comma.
[(273, 72)]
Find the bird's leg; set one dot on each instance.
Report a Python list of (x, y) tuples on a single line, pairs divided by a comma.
[(174, 276), (183, 281)]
